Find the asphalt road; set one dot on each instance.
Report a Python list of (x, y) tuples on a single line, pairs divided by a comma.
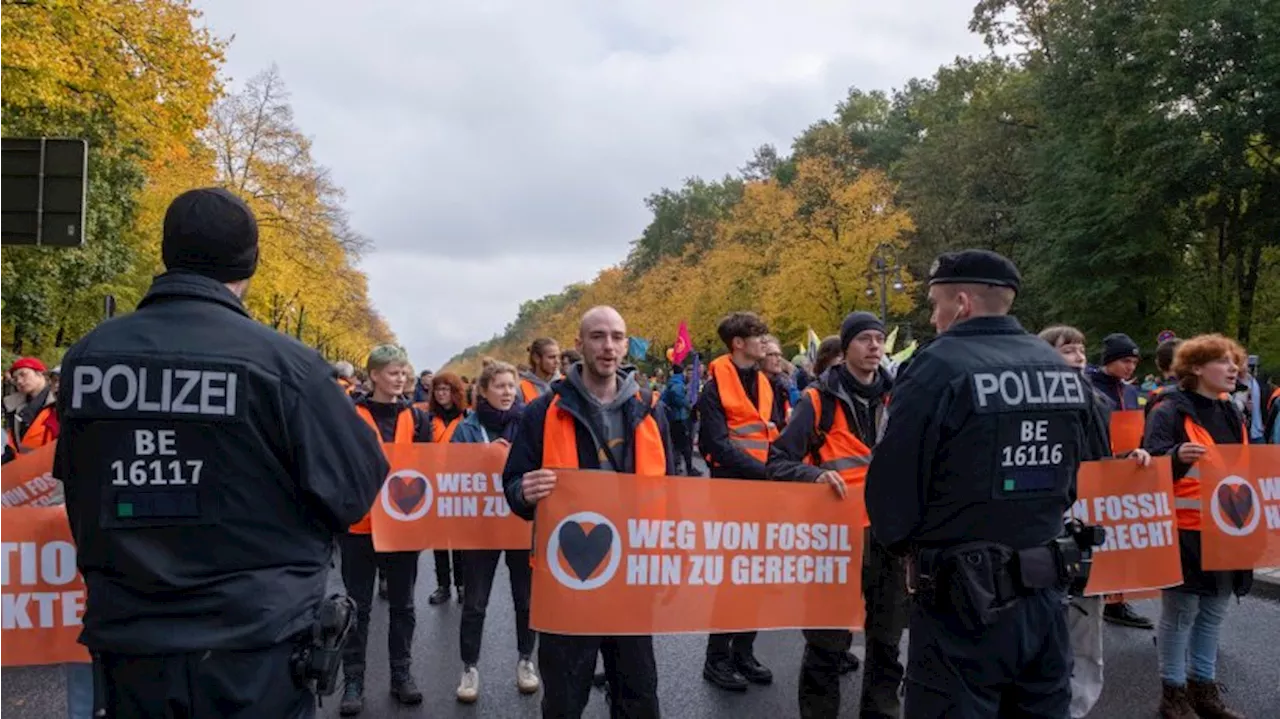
[(1247, 664)]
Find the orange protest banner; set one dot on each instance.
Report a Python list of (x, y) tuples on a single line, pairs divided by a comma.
[(446, 496), (620, 554), (1126, 430), (1240, 488), (43, 593), (28, 479), (1135, 504)]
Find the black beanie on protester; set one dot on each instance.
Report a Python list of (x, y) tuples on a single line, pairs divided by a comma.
[(1118, 346), (211, 232), (855, 323)]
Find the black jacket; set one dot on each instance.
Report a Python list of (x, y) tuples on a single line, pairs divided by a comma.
[(724, 459), (526, 449), (1165, 432), (208, 461), (787, 455), (953, 465)]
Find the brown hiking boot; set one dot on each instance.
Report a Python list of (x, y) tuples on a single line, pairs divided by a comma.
[(1206, 700), (1174, 704)]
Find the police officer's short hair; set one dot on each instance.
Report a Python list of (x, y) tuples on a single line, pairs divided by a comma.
[(741, 324), (384, 356)]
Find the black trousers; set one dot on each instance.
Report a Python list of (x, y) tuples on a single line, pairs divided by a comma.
[(682, 442), (884, 589), (360, 564), (728, 646), (448, 572), (481, 566), (568, 664), (232, 684), (1020, 666)]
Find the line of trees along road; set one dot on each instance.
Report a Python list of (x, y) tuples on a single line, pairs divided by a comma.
[(142, 83), (1125, 154)]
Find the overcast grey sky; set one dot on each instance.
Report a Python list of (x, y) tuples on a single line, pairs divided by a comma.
[(498, 150)]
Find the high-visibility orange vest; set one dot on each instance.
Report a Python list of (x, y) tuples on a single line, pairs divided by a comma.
[(37, 434), (528, 390), (404, 435), (840, 450), (750, 427), (441, 432), (560, 443), (1186, 491)]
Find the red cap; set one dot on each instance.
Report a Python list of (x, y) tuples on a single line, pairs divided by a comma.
[(28, 363)]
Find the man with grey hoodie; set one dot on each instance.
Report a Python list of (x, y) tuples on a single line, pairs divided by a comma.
[(605, 406)]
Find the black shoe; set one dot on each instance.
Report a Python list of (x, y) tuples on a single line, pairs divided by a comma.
[(439, 596), (1123, 615), (752, 670), (721, 673), (382, 588), (352, 699), (849, 663), (405, 690), (459, 595)]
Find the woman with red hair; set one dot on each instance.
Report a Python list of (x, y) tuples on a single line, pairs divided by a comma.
[(1187, 422), (447, 411)]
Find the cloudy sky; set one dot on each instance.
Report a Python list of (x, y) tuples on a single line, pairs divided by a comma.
[(498, 150)]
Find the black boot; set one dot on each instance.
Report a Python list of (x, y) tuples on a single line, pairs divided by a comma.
[(439, 596), (352, 697), (404, 689), (459, 595), (722, 673), (849, 663), (752, 670), (1122, 614), (382, 587)]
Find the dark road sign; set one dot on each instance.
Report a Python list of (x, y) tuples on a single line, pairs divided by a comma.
[(43, 185)]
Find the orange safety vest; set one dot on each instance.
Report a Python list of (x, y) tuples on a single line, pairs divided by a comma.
[(404, 435), (560, 443), (750, 428), (37, 435), (528, 390), (441, 432), (840, 449), (1186, 491)]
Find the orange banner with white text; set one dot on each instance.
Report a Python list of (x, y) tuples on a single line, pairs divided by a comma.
[(1135, 504), (1240, 507), (620, 554), (28, 480), (1126, 430), (445, 496), (43, 593)]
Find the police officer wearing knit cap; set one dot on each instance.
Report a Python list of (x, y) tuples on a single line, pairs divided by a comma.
[(829, 439), (970, 482), (209, 461)]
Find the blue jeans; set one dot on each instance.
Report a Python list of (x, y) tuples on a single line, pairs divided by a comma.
[(79, 679), (1189, 628)]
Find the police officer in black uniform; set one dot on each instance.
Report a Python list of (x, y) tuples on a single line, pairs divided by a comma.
[(209, 462), (970, 482)]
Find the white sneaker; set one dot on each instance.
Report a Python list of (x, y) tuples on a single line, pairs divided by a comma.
[(527, 677), (469, 688)]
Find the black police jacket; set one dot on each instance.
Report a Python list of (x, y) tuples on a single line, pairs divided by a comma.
[(208, 462), (982, 441), (526, 449)]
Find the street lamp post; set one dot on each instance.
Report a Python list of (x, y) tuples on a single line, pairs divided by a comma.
[(884, 262)]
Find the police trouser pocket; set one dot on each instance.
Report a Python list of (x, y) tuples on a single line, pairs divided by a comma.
[(975, 582)]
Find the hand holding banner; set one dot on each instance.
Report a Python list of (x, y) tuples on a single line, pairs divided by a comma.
[(1135, 504), (43, 593), (445, 496), (625, 555)]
